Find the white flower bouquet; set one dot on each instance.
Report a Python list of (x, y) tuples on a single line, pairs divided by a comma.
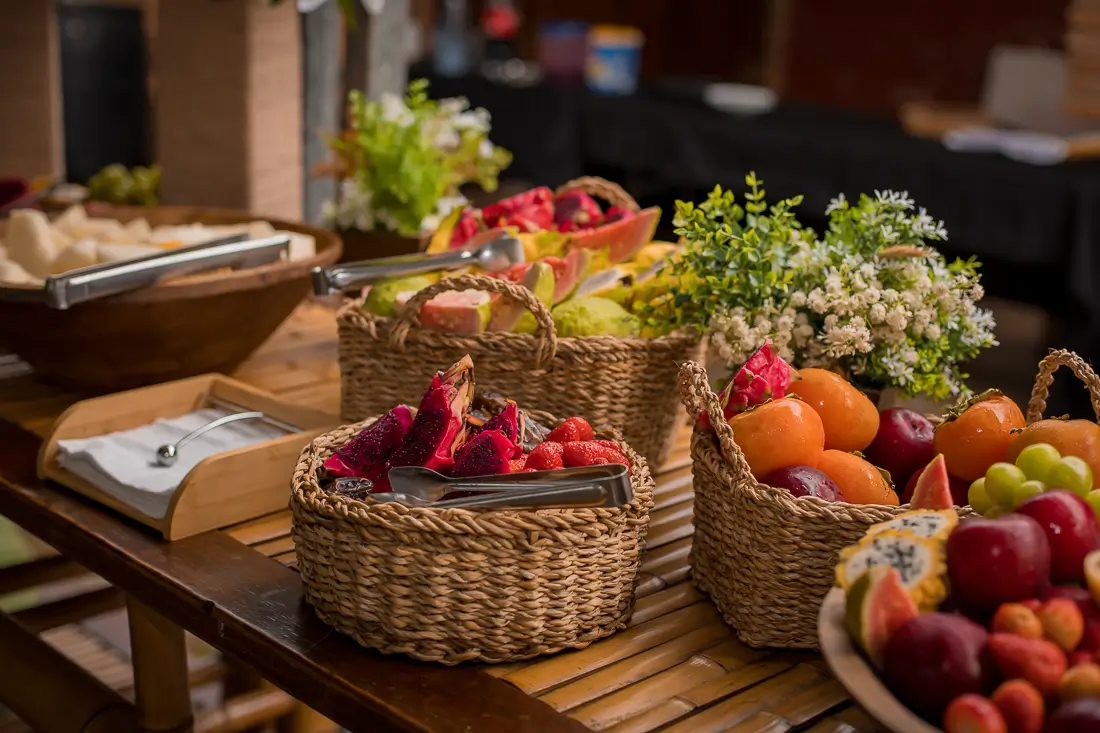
[(871, 299), (402, 161)]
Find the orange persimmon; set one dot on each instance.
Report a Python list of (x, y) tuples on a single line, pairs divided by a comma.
[(979, 436), (850, 419), (780, 433), (857, 479)]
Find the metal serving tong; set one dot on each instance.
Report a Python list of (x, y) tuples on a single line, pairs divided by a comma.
[(167, 454), (605, 485), (491, 251), (99, 281)]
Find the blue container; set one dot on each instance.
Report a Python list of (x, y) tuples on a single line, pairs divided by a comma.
[(614, 59)]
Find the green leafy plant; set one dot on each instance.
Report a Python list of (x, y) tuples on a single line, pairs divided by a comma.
[(871, 299), (400, 159)]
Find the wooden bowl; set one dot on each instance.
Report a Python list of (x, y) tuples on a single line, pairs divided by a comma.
[(182, 328), (857, 676)]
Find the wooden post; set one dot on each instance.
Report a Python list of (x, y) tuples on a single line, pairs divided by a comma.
[(322, 32), (229, 105), (378, 49), (161, 685), (31, 139)]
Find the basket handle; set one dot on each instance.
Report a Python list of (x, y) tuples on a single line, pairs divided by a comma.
[(697, 396), (544, 328), (1049, 364), (609, 191)]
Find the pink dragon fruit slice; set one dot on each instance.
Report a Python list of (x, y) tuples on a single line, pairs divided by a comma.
[(467, 226), (530, 211), (765, 376), (510, 421), (440, 424), (365, 455), (487, 454), (575, 210)]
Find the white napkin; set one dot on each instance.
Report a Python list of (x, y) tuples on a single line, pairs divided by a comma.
[(124, 464)]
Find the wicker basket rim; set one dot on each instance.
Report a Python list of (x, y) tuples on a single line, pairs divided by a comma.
[(352, 309), (308, 493)]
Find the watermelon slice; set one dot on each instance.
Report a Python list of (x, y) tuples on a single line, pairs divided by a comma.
[(622, 239), (568, 272)]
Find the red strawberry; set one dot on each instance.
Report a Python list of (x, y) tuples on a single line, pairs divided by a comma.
[(545, 457), (590, 453), (613, 446), (573, 428), (517, 464)]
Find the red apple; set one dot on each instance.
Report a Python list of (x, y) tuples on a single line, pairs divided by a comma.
[(933, 659), (903, 444), (995, 561), (1071, 528), (960, 490)]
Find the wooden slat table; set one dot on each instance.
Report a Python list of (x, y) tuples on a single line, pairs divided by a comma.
[(677, 668)]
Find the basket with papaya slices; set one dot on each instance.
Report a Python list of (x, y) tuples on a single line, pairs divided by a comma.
[(557, 333), (451, 584)]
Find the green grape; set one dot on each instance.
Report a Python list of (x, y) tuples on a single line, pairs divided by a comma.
[(978, 499), (1026, 490), (1036, 460), (1071, 473), (1093, 499), (996, 511), (1001, 481)]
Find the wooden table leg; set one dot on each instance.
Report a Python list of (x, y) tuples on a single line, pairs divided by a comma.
[(161, 686)]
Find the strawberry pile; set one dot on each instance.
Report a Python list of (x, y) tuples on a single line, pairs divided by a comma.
[(571, 445)]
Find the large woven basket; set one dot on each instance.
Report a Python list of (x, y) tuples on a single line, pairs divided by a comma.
[(457, 585), (628, 384), (764, 557)]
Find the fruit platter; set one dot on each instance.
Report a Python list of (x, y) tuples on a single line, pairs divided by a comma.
[(560, 332), (369, 555), (591, 267), (984, 619)]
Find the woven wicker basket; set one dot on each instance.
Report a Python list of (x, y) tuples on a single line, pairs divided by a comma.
[(457, 585), (764, 557), (628, 384)]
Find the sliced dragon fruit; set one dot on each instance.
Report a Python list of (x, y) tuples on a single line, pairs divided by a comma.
[(487, 454), (575, 210), (440, 424), (765, 376), (529, 211), (467, 226), (365, 455), (510, 421)]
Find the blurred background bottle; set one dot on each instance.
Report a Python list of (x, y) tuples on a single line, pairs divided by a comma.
[(452, 40)]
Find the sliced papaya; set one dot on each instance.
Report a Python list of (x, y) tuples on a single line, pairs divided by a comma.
[(877, 605), (933, 489)]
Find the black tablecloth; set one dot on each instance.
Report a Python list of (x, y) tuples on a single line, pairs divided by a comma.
[(1037, 228)]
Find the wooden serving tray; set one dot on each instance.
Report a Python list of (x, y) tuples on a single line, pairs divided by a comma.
[(221, 490), (857, 676)]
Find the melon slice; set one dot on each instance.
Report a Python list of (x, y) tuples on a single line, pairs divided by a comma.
[(465, 311), (933, 489), (622, 239), (877, 605), (568, 272), (507, 314)]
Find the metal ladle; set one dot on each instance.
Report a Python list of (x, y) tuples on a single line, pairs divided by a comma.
[(167, 454)]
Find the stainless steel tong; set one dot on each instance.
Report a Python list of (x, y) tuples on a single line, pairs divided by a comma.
[(606, 485), (99, 281), (491, 251)]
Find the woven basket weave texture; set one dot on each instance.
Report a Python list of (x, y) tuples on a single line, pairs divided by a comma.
[(457, 585)]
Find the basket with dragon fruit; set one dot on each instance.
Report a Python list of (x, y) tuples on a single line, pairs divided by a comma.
[(429, 531), (561, 332)]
